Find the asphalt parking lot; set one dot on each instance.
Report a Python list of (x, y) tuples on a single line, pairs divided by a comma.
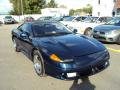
[(17, 72)]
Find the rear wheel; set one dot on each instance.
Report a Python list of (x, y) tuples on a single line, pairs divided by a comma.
[(15, 45), (38, 63), (88, 32), (118, 41)]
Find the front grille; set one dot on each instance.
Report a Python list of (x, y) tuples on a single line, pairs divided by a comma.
[(102, 33), (95, 31), (99, 32), (99, 37)]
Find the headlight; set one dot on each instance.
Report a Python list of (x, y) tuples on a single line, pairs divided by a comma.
[(68, 60), (113, 32), (116, 31)]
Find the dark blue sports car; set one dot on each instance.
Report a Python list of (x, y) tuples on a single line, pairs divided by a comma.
[(58, 52)]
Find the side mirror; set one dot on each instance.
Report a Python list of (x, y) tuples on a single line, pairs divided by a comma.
[(24, 35), (75, 31)]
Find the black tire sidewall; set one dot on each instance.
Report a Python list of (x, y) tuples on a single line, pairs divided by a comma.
[(16, 48), (118, 41), (87, 30)]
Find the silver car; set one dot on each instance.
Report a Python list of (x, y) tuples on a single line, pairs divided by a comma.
[(9, 20), (109, 32)]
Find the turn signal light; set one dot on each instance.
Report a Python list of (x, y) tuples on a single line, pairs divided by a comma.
[(55, 58)]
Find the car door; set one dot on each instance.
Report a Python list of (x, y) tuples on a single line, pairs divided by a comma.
[(17, 32), (26, 42)]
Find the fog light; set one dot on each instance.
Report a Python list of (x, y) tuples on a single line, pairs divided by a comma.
[(71, 74), (111, 39)]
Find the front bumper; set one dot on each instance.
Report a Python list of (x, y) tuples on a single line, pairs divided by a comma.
[(84, 71), (106, 38), (9, 22)]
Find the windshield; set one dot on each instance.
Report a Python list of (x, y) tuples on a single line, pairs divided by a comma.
[(80, 18), (56, 18), (8, 17), (114, 21), (45, 18), (90, 19), (68, 18), (50, 29), (104, 19)]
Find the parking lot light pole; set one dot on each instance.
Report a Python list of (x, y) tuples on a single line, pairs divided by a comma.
[(22, 9)]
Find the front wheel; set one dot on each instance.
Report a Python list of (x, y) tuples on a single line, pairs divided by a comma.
[(118, 41), (88, 32), (38, 63)]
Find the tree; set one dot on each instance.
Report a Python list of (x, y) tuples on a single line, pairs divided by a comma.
[(71, 12), (52, 4), (16, 5), (62, 6), (29, 6), (88, 9)]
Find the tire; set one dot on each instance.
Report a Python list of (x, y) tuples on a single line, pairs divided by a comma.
[(13, 22), (15, 45), (118, 41), (88, 32), (38, 63)]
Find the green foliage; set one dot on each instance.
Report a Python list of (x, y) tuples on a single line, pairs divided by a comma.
[(29, 6), (52, 4), (87, 10), (71, 12)]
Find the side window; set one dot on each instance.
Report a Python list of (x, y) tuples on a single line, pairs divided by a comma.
[(25, 28), (20, 27)]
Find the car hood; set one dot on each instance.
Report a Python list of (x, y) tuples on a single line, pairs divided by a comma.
[(107, 27), (69, 46)]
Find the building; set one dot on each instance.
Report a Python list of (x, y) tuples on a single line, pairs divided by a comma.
[(103, 7), (117, 7), (55, 12)]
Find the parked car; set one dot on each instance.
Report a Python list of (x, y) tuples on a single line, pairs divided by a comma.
[(45, 18), (9, 20), (85, 27), (29, 19), (109, 32), (58, 52)]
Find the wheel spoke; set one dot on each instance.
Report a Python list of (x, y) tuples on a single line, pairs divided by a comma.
[(37, 64)]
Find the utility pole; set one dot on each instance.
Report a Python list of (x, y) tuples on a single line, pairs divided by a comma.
[(22, 7)]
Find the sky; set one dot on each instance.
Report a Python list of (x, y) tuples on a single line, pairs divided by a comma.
[(6, 6), (74, 4)]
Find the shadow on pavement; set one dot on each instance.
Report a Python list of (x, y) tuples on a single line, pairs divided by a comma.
[(84, 85)]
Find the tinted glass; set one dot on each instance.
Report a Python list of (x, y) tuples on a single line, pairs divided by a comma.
[(91, 19), (80, 18), (68, 18), (8, 17), (44, 18), (25, 28), (114, 21), (46, 29)]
